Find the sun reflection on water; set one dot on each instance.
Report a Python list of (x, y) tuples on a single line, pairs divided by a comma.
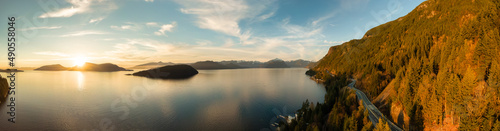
[(80, 79)]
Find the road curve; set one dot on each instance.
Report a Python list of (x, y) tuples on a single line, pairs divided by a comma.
[(373, 111)]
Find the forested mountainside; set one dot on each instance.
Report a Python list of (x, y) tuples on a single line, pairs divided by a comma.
[(440, 63)]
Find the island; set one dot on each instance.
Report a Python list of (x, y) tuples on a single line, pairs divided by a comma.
[(181, 71), (106, 67), (54, 67), (11, 70)]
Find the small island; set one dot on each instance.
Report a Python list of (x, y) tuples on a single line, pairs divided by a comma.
[(11, 70), (54, 67), (106, 67), (181, 71)]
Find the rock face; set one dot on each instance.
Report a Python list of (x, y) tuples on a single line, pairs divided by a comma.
[(106, 67), (4, 89), (169, 72), (310, 72), (55, 67), (441, 57)]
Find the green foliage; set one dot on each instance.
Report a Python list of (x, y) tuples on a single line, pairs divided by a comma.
[(382, 125), (341, 110), (443, 58)]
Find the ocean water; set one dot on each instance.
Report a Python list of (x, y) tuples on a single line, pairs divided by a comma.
[(239, 99)]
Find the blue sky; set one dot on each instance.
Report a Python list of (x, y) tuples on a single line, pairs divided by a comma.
[(131, 32)]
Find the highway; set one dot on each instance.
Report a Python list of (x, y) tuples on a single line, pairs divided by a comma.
[(373, 111)]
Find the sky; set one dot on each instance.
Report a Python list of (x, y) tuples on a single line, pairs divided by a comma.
[(132, 32)]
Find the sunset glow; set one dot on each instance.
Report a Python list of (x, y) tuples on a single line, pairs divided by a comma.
[(79, 61)]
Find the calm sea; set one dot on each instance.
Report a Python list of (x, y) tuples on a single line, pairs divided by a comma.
[(241, 99)]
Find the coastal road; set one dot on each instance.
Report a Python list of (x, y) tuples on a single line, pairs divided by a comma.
[(373, 111)]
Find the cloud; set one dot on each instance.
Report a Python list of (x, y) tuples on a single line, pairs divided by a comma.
[(228, 43), (297, 31), (224, 50), (266, 16), (152, 24), (41, 27), (223, 15), (149, 0), (128, 26), (83, 33), (166, 27), (326, 17), (333, 42), (52, 53), (123, 27), (142, 49), (353, 4), (137, 26), (96, 20), (204, 43), (81, 6)]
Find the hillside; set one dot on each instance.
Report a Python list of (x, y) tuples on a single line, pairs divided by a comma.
[(211, 65), (169, 72), (55, 67), (106, 67), (443, 59), (243, 64), (4, 89), (275, 63), (298, 63)]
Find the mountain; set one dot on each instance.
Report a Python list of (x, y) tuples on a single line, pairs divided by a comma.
[(55, 67), (436, 68), (169, 72), (151, 65), (233, 64), (243, 64), (106, 67), (298, 63), (209, 65), (311, 65), (275, 63)]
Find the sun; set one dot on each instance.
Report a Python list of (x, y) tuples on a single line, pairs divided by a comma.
[(79, 61)]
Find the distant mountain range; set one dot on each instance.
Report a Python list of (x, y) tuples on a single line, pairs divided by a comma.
[(275, 63), (152, 65), (210, 65), (200, 65), (54, 67), (106, 67), (232, 64)]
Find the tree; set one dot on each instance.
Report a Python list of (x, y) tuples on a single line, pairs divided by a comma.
[(382, 125)]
